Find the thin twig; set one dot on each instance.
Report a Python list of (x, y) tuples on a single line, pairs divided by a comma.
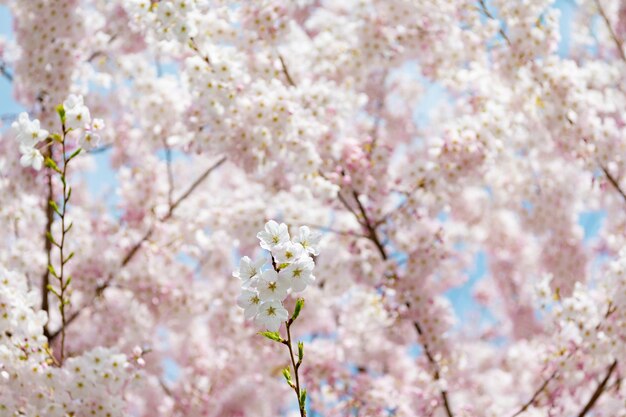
[(535, 394), (491, 16), (286, 71), (598, 392), (205, 57), (370, 229), (616, 39), (373, 236), (296, 368), (613, 181), (437, 370), (135, 248), (5, 72)]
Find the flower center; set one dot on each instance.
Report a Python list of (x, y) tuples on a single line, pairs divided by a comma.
[(271, 311)]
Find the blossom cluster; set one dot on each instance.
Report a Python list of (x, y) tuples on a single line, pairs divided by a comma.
[(30, 134), (463, 160), (87, 384), (264, 287)]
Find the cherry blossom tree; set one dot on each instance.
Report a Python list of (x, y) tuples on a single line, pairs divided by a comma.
[(295, 190)]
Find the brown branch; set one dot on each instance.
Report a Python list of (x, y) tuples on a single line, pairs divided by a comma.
[(5, 72), (347, 205), (286, 71), (616, 39), (45, 280), (370, 229), (435, 365), (135, 248), (536, 394), (193, 45), (613, 181), (487, 13), (373, 236), (598, 392)]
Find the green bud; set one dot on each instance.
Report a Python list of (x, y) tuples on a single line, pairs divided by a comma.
[(52, 271), (300, 351), (49, 162), (296, 310), (61, 112), (55, 207), (74, 154), (275, 336), (287, 374), (303, 398)]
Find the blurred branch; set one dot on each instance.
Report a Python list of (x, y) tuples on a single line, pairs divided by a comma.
[(536, 394), (135, 248), (373, 236), (618, 42), (5, 71), (286, 71), (487, 13), (599, 391), (437, 372), (613, 181)]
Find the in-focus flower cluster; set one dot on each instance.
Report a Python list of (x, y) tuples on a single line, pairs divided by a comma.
[(29, 133), (264, 287)]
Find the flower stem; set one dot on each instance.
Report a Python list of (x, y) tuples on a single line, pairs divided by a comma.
[(296, 367)]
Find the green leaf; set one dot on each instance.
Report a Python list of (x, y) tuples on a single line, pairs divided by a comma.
[(74, 154), (49, 162), (296, 310), (69, 194), (54, 206), (52, 271), (66, 260), (275, 336), (69, 227), (303, 398), (300, 351), (51, 239), (52, 290), (67, 283), (287, 374), (57, 138), (61, 112)]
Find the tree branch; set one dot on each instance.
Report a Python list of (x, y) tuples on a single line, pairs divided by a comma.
[(613, 181), (599, 390), (437, 372), (487, 13), (536, 394), (370, 229), (373, 236), (135, 248), (5, 71), (286, 71), (616, 39)]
